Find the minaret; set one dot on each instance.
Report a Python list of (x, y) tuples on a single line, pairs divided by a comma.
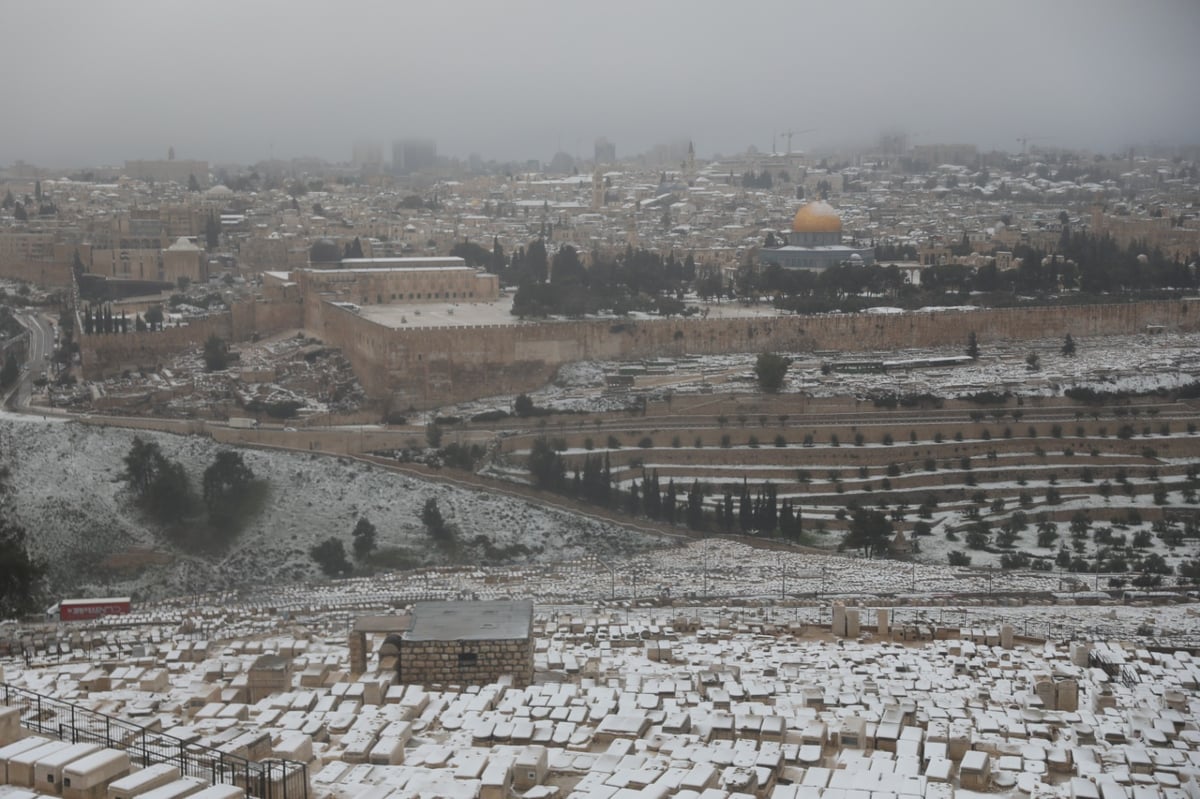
[(691, 163)]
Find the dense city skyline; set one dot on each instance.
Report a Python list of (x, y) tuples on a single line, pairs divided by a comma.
[(516, 81)]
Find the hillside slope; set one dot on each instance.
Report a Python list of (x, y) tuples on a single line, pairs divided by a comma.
[(65, 489)]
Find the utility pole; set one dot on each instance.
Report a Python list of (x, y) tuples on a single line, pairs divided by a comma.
[(613, 574)]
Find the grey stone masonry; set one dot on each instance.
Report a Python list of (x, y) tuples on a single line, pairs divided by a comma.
[(471, 662)]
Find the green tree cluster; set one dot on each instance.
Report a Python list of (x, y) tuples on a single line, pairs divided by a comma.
[(869, 531), (547, 465), (771, 368), (330, 556), (637, 281), (442, 532), (227, 483), (972, 346), (216, 353), (365, 538), (22, 575), (759, 512), (10, 371), (160, 485)]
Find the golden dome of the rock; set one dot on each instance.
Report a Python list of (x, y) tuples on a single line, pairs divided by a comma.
[(817, 217)]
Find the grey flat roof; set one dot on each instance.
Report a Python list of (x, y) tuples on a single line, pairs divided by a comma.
[(500, 619), (395, 623)]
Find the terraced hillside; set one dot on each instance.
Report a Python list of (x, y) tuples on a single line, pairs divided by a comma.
[(1039, 483)]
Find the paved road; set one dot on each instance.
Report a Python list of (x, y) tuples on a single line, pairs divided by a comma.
[(41, 348)]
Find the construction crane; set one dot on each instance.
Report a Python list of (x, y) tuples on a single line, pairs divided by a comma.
[(791, 133)]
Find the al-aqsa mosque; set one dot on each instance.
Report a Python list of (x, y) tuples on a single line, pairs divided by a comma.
[(815, 242)]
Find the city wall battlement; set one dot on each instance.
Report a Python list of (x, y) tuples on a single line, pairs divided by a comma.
[(42, 273), (427, 367), (108, 354)]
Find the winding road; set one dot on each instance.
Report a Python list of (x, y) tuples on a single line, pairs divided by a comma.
[(37, 365)]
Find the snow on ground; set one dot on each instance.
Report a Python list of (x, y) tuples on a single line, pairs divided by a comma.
[(66, 491), (706, 580), (1143, 362)]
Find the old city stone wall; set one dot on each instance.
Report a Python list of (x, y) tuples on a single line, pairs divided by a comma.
[(43, 273), (265, 318), (466, 662), (426, 367), (107, 354)]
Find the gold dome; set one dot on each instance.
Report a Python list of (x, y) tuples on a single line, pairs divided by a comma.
[(817, 217)]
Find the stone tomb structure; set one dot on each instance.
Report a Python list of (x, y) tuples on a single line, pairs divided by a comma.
[(367, 627), (467, 643)]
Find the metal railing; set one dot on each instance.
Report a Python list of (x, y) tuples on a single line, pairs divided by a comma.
[(266, 779)]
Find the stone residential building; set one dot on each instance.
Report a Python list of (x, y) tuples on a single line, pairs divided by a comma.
[(184, 259)]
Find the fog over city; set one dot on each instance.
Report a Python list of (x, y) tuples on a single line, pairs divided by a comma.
[(104, 82)]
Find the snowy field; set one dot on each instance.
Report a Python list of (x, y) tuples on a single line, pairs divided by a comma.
[(65, 490), (1142, 362)]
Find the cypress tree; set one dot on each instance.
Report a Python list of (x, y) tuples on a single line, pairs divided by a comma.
[(745, 508), (695, 507)]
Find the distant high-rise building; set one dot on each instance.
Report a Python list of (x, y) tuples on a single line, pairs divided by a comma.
[(171, 170), (937, 154), (413, 155), (605, 151), (367, 153)]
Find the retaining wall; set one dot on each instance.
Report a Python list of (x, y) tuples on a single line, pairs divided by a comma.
[(44, 273), (427, 367)]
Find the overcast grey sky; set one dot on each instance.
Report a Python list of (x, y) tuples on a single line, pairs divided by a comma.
[(241, 80)]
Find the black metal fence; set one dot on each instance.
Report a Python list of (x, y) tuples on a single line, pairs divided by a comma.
[(267, 779)]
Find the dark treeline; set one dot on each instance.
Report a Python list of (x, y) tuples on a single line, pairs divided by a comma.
[(638, 280), (1084, 268), (102, 320), (755, 512)]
